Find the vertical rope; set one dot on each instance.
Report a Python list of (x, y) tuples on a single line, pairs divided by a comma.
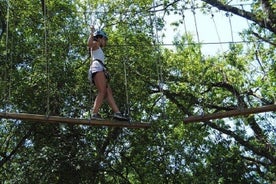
[(93, 22), (230, 24), (193, 8), (184, 22), (91, 60), (126, 90), (185, 29), (159, 64), (46, 58), (247, 21), (7, 97), (195, 21), (216, 28)]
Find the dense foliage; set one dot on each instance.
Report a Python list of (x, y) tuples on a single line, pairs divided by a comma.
[(43, 70)]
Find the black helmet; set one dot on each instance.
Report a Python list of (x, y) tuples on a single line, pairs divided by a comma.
[(101, 33)]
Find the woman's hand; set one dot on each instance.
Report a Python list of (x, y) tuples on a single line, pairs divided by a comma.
[(92, 29)]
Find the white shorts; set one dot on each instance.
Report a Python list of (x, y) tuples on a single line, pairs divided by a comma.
[(95, 67)]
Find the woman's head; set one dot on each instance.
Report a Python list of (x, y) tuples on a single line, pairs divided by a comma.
[(101, 33), (101, 37)]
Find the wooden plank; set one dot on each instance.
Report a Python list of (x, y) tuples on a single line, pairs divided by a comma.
[(231, 113), (58, 119)]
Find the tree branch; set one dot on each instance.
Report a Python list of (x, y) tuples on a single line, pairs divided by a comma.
[(19, 144), (248, 15), (256, 150), (233, 90), (271, 15), (264, 39)]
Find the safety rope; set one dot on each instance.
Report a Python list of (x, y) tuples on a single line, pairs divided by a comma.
[(127, 108), (184, 22), (91, 91), (195, 20), (230, 23), (256, 44), (193, 9), (46, 58), (7, 97), (159, 67), (216, 28)]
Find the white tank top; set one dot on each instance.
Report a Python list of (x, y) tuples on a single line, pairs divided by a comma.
[(96, 66), (98, 54)]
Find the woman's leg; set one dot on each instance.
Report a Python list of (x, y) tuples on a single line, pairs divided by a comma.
[(111, 100), (101, 85), (112, 104), (104, 91)]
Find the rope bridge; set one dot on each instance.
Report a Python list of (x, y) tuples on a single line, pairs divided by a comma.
[(73, 121), (231, 113)]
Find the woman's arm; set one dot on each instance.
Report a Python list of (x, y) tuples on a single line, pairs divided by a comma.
[(91, 42)]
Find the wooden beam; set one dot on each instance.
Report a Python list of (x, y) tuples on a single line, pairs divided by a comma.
[(231, 113), (74, 121)]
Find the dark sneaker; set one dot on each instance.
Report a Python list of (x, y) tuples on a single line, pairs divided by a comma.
[(96, 117), (119, 116)]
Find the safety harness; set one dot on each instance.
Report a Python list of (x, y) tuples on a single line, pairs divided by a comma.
[(106, 73)]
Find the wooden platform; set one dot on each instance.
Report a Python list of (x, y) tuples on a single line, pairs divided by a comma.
[(238, 112), (74, 121)]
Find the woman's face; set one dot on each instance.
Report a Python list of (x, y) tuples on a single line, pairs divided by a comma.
[(103, 42)]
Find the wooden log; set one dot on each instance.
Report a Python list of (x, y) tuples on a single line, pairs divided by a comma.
[(74, 121), (238, 112)]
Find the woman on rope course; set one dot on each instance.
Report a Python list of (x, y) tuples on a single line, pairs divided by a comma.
[(99, 76)]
